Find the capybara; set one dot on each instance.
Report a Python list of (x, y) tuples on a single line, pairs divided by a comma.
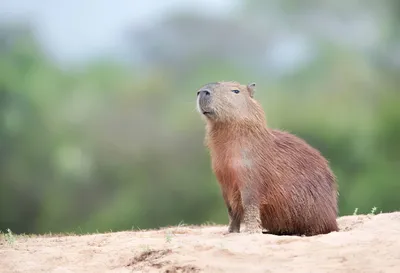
[(270, 179)]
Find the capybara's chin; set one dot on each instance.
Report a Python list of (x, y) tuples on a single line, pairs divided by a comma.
[(269, 179)]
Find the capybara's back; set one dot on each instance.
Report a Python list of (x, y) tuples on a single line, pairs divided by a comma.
[(300, 193)]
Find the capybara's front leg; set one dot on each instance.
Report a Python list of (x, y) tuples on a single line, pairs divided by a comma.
[(234, 221), (251, 217), (234, 217)]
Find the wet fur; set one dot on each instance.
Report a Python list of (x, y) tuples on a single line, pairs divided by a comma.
[(282, 183)]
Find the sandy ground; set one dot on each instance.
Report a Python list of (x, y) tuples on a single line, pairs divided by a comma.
[(366, 243)]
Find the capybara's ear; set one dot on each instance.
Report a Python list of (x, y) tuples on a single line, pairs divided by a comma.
[(251, 87)]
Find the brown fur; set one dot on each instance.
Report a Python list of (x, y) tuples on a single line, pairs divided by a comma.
[(269, 178)]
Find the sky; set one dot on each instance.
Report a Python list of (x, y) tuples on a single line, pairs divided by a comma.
[(74, 29)]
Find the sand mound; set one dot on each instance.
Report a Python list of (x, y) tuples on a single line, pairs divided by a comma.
[(366, 243)]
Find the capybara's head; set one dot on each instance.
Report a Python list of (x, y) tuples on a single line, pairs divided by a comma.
[(228, 102)]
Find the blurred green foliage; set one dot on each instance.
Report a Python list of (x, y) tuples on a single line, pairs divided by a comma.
[(108, 146)]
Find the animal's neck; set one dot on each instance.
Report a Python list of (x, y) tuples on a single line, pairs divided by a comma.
[(236, 133)]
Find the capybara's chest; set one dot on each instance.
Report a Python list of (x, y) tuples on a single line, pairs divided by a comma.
[(231, 167)]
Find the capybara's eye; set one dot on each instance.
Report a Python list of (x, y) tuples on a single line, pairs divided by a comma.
[(236, 91)]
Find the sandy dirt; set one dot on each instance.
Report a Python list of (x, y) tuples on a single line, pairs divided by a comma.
[(366, 243)]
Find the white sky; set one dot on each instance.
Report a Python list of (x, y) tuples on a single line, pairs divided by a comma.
[(75, 29)]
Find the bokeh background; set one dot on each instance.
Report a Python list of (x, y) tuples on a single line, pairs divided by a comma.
[(98, 127)]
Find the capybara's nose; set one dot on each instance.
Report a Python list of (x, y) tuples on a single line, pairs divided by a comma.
[(204, 93)]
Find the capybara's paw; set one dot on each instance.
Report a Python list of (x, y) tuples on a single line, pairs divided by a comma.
[(252, 230), (233, 230), (226, 232)]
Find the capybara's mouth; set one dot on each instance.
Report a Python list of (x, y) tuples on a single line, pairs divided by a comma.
[(207, 113)]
